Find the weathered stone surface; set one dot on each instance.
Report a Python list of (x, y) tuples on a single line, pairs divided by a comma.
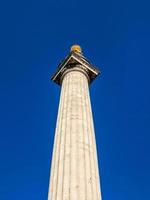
[(74, 170)]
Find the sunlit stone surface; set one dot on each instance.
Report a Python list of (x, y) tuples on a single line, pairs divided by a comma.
[(74, 170)]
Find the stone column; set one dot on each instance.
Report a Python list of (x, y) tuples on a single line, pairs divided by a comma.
[(74, 170)]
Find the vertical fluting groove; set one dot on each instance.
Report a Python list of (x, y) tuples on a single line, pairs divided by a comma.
[(55, 146), (89, 146), (70, 140), (93, 157), (77, 132), (93, 143), (65, 136), (82, 142), (95, 149), (61, 132), (78, 137), (73, 133)]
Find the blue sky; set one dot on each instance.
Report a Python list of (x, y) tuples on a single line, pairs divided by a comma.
[(35, 36)]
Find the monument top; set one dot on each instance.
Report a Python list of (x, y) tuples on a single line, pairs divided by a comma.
[(76, 48), (75, 60)]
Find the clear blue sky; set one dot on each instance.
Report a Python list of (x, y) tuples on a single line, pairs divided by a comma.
[(35, 36)]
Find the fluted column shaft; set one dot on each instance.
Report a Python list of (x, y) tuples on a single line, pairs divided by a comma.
[(74, 170)]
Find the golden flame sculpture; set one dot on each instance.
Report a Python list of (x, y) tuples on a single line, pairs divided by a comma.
[(76, 48)]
